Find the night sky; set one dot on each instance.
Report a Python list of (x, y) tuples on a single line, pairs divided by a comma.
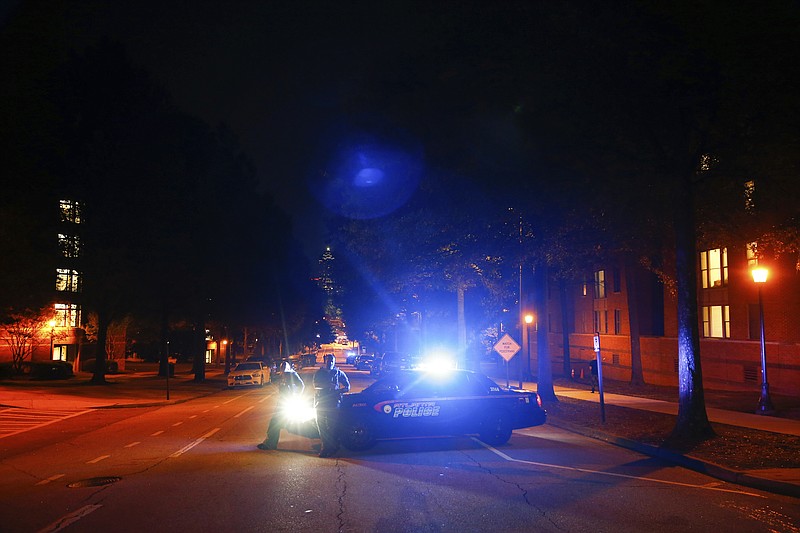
[(306, 85), (279, 74)]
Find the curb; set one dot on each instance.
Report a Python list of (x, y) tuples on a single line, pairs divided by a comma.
[(692, 463)]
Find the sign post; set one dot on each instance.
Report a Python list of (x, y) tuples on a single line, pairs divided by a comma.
[(599, 376), (507, 348)]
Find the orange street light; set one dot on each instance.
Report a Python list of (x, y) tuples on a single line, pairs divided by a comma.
[(764, 403)]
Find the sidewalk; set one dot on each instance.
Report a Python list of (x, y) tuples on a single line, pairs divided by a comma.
[(778, 480), (140, 389), (129, 389)]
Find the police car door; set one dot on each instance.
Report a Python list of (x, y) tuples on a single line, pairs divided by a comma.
[(415, 413)]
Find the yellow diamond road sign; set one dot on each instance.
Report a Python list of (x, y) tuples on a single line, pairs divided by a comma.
[(506, 347)]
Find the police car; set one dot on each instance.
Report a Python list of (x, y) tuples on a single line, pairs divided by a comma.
[(420, 403)]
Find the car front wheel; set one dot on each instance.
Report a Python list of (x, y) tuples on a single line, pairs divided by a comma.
[(496, 429), (357, 435)]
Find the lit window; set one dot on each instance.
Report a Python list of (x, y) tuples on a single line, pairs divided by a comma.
[(70, 211), (752, 254), (600, 284), (70, 245), (749, 192), (617, 321), (67, 315), (716, 321), (68, 280), (714, 267)]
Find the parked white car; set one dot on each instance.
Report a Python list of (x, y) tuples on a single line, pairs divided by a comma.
[(248, 373)]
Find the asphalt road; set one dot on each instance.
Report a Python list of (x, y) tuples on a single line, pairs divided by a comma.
[(194, 467)]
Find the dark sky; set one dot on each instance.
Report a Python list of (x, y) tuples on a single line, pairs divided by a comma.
[(279, 74)]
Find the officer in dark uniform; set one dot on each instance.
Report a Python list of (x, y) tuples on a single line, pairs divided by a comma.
[(329, 385)]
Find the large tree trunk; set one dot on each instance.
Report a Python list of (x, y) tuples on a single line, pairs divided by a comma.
[(637, 373), (544, 380), (692, 424)]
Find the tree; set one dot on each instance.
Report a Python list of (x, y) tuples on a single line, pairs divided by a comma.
[(21, 334)]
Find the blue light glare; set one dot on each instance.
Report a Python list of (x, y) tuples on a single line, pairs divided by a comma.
[(369, 177)]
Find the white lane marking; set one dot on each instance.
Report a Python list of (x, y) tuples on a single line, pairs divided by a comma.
[(233, 399), (20, 421), (243, 412), (195, 443), (207, 410), (264, 399), (177, 424), (156, 434), (132, 444), (193, 416), (50, 479), (65, 521), (97, 459), (611, 474)]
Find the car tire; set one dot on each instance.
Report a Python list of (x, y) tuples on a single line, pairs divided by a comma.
[(496, 429), (357, 435)]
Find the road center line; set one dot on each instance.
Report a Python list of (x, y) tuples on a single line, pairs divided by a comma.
[(243, 412), (97, 459), (51, 478), (612, 474), (195, 443), (156, 434), (63, 522), (132, 444), (232, 399)]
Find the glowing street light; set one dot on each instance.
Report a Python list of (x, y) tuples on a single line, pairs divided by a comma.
[(528, 322), (764, 403)]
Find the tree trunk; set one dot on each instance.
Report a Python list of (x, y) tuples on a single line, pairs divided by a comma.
[(544, 380), (103, 321), (199, 356), (567, 324), (692, 424), (637, 372), (462, 325)]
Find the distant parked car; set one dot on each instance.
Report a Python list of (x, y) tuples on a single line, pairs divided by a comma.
[(50, 369), (247, 373), (112, 367), (364, 362)]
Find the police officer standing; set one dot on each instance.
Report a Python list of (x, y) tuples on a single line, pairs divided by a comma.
[(289, 384), (329, 385)]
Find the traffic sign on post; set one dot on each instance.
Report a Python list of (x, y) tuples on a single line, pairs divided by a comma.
[(507, 347)]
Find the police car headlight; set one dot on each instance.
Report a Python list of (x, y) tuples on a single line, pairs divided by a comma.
[(438, 362), (298, 409)]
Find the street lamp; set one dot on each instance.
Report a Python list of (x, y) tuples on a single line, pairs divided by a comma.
[(52, 325), (764, 403), (528, 322)]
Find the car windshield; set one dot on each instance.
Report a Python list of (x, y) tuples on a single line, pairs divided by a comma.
[(248, 366)]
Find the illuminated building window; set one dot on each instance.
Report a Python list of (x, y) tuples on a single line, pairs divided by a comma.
[(749, 193), (617, 321), (752, 254), (714, 267), (68, 280), (599, 284), (716, 321), (70, 245), (67, 315), (70, 211)]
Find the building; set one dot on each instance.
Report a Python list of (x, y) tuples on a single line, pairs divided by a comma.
[(728, 321)]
